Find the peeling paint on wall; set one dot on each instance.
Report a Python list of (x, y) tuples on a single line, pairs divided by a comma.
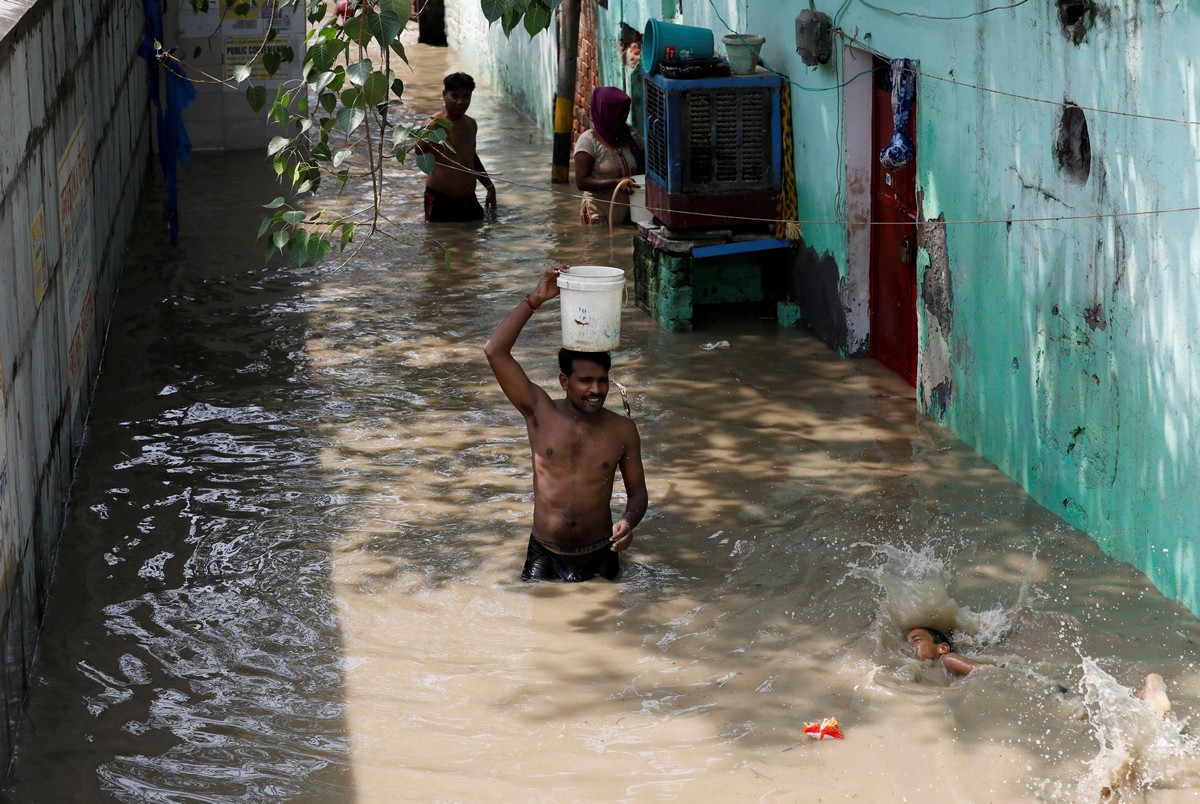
[(934, 384)]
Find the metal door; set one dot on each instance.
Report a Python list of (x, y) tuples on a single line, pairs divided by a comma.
[(893, 243)]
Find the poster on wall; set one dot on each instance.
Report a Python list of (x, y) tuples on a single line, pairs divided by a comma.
[(8, 518), (7, 536), (75, 223), (243, 35), (239, 50), (238, 18), (258, 16), (37, 231)]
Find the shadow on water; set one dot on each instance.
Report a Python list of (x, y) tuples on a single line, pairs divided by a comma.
[(190, 643), (291, 556)]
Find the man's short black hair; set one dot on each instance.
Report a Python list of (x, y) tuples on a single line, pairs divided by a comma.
[(567, 358), (458, 81), (938, 637)]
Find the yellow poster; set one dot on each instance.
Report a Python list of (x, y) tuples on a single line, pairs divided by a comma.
[(8, 538), (75, 224), (240, 49), (38, 230)]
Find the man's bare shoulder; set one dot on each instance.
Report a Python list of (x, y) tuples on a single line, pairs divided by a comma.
[(438, 120), (624, 425)]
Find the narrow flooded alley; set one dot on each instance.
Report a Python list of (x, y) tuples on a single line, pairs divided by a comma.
[(291, 558)]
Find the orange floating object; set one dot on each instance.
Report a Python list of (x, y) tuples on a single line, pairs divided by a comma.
[(827, 729)]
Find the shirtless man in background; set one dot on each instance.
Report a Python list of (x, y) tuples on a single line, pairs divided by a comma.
[(450, 188), (577, 447)]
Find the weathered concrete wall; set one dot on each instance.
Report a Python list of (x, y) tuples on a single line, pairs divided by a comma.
[(1071, 351), (74, 145), (663, 286), (521, 68)]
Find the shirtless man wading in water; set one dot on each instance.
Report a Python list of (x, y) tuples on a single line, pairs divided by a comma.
[(577, 447), (450, 188)]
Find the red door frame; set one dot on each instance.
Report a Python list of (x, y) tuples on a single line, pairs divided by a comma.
[(893, 307)]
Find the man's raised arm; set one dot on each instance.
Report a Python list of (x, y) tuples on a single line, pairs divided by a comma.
[(513, 380)]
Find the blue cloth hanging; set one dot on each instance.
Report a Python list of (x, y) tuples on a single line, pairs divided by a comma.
[(900, 150), (174, 145)]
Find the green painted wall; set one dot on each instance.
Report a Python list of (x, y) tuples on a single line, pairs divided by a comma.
[(1062, 345), (522, 68)]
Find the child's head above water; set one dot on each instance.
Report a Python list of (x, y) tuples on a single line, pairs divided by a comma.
[(930, 644)]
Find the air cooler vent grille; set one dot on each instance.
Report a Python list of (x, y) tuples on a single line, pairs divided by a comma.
[(712, 142)]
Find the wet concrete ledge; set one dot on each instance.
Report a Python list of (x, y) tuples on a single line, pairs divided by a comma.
[(73, 160)]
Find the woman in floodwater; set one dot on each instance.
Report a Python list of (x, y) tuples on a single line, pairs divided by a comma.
[(606, 156)]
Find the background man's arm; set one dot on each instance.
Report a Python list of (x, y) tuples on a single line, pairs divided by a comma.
[(515, 383), (634, 478), (425, 145), (487, 183)]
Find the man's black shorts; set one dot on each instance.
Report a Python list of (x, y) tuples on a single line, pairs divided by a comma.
[(441, 208), (543, 563)]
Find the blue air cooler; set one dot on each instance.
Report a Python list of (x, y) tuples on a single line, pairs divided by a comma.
[(713, 150)]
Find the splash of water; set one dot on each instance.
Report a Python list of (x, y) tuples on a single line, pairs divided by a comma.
[(915, 587), (1140, 747)]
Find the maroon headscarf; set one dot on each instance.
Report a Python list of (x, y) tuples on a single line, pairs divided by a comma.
[(610, 109)]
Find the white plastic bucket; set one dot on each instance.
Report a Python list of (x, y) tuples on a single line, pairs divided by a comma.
[(592, 297), (637, 201)]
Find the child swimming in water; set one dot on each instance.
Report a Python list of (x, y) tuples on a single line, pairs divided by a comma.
[(1154, 694), (929, 644)]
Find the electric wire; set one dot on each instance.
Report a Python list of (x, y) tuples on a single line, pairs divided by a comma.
[(847, 223), (727, 218), (979, 13)]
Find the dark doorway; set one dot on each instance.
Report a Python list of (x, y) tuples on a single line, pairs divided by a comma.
[(431, 22), (893, 242)]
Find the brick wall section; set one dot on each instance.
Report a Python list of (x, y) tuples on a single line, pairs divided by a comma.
[(61, 62), (588, 76)]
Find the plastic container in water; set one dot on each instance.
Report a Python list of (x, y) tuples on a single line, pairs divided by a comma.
[(637, 201), (742, 51), (592, 297), (666, 40)]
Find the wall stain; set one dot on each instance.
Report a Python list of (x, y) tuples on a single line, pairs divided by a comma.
[(1042, 191), (1095, 318), (813, 283)]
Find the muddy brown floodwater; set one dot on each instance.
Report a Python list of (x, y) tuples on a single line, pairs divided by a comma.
[(289, 570)]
